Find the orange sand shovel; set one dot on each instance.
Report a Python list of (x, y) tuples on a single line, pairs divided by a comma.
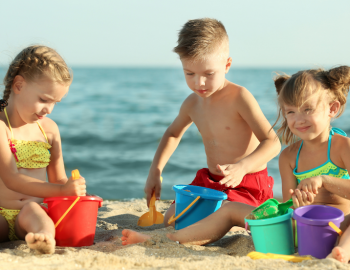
[(151, 217), (75, 176)]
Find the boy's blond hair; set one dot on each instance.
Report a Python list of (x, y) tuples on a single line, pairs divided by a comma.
[(201, 38)]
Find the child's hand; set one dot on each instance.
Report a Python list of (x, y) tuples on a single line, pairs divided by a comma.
[(233, 174), (301, 198), (74, 187), (153, 184), (311, 184)]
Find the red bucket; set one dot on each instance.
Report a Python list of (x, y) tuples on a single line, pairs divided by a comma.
[(78, 227)]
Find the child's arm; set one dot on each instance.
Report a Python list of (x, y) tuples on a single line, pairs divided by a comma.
[(268, 148), (28, 185), (166, 147), (55, 171), (289, 182), (338, 186)]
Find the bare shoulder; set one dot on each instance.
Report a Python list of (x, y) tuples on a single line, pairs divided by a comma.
[(340, 143), (289, 154), (50, 127), (239, 94), (189, 103), (4, 129)]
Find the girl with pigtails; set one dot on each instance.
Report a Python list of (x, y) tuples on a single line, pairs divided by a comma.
[(30, 147), (314, 169)]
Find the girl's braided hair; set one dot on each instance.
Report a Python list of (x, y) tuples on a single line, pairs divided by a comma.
[(36, 62)]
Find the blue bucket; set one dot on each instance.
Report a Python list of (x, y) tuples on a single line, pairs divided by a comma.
[(194, 203)]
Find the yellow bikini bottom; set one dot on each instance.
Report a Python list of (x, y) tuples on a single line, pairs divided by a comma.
[(10, 216)]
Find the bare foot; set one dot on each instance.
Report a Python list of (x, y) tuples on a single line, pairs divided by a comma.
[(339, 254), (131, 237), (43, 243)]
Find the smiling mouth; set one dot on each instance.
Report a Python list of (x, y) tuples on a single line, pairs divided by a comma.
[(303, 129), (201, 91), (40, 116)]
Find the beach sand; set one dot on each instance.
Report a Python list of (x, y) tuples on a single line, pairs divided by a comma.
[(157, 253)]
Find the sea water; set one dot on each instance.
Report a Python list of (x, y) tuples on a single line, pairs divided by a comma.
[(113, 119)]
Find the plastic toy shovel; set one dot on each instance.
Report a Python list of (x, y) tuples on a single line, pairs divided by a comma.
[(270, 208), (75, 176), (151, 217)]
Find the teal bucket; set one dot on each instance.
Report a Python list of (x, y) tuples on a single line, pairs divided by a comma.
[(273, 235), (200, 201)]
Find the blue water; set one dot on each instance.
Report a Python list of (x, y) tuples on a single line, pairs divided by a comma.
[(113, 118)]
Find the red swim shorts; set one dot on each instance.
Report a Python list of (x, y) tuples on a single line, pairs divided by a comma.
[(254, 189)]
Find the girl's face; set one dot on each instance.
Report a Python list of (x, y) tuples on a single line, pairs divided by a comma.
[(312, 118), (35, 99)]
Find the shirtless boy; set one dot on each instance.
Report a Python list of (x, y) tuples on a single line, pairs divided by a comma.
[(237, 137)]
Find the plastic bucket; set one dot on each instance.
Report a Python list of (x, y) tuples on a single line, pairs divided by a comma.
[(78, 227), (273, 235), (210, 200), (315, 236)]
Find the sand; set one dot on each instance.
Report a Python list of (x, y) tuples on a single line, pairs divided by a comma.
[(157, 253)]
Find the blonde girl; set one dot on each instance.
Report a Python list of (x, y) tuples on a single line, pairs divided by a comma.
[(30, 147), (314, 167)]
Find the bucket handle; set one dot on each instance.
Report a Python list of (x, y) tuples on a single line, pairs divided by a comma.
[(173, 218), (75, 176), (246, 228)]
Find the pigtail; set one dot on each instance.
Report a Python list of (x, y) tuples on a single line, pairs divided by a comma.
[(339, 79), (279, 81), (11, 73), (283, 132), (339, 82)]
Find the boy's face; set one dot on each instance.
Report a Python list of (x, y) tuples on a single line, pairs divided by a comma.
[(205, 77)]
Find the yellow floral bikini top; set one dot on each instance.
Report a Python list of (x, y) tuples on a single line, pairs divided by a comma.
[(29, 154)]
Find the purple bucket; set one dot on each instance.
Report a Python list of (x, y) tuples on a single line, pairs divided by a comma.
[(315, 236)]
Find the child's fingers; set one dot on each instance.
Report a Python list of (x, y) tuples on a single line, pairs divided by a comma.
[(157, 191), (310, 197), (298, 195), (229, 181), (224, 180), (304, 196), (219, 170), (232, 183), (295, 201), (314, 188)]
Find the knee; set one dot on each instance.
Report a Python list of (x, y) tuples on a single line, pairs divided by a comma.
[(30, 207), (229, 206), (28, 210)]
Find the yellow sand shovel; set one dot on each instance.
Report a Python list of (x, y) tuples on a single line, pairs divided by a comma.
[(151, 217)]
